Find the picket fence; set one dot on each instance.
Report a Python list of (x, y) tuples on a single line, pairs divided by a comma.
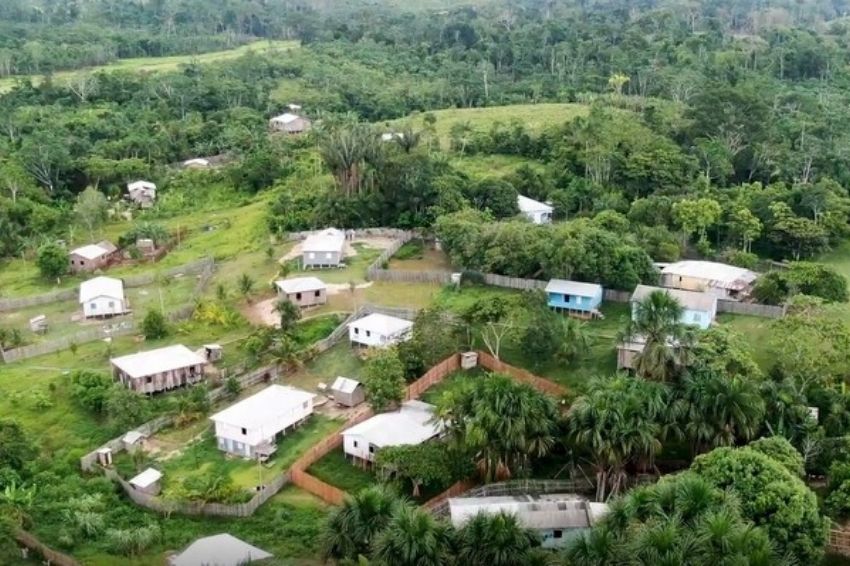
[(124, 327), (49, 555), (192, 268)]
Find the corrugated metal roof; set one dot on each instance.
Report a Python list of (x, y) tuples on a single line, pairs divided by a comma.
[(219, 550), (300, 284), (550, 512), (157, 361), (528, 205), (716, 274), (94, 251), (263, 407), (146, 478), (330, 240), (101, 287), (412, 424), (345, 385), (382, 324), (576, 288), (691, 300)]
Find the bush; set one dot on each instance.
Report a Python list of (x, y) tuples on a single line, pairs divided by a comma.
[(780, 450), (838, 501), (52, 260), (90, 389), (154, 326)]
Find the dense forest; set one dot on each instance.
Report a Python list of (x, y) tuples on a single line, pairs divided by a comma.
[(672, 129)]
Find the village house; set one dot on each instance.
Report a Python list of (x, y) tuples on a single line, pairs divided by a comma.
[(251, 427), (159, 370), (699, 309), (558, 518), (143, 193), (348, 392), (323, 249), (147, 482), (574, 297), (379, 330), (537, 212), (92, 256), (719, 279), (219, 550), (412, 424), (102, 297), (290, 123), (303, 291)]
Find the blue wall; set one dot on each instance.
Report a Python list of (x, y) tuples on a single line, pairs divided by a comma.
[(575, 302)]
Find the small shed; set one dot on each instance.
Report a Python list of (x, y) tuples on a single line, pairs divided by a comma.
[(38, 324), (303, 291), (469, 360), (142, 193), (536, 211), (348, 392), (213, 352), (104, 456), (148, 482), (133, 441), (290, 123)]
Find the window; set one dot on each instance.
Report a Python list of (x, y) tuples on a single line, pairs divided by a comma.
[(149, 379), (318, 294), (558, 533), (371, 450), (355, 444), (244, 431), (567, 298), (297, 296), (368, 333), (356, 330), (112, 304), (93, 306), (305, 404)]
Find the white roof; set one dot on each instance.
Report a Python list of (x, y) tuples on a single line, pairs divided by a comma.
[(528, 205), (101, 287), (692, 300), (573, 288), (389, 136), (382, 324), (135, 185), (132, 437), (157, 361), (330, 240), (345, 385), (91, 251), (263, 407), (300, 284), (412, 424), (717, 274), (146, 478), (554, 511), (197, 161), (219, 550), (286, 118)]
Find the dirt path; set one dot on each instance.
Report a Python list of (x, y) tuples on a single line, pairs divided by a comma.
[(263, 313)]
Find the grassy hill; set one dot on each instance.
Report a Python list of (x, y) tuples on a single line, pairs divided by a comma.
[(534, 116), (161, 64)]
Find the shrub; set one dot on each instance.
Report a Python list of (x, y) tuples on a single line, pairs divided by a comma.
[(90, 389), (52, 260), (780, 450), (154, 326)]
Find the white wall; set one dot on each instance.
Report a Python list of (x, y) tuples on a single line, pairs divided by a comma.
[(357, 334), (254, 436), (102, 306), (362, 448)]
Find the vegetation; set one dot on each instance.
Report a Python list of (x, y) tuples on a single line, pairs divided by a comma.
[(383, 379)]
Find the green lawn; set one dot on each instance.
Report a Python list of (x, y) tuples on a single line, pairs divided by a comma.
[(340, 360), (491, 165), (354, 269), (418, 256), (337, 471), (203, 457), (535, 117), (451, 383), (162, 64)]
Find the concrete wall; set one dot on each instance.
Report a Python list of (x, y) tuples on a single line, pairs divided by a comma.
[(104, 306)]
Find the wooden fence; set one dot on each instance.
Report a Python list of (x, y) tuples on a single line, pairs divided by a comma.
[(398, 276), (839, 540), (206, 269), (750, 309), (50, 556), (487, 361), (15, 303), (514, 282)]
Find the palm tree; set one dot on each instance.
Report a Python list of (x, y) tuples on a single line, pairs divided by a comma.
[(289, 313), (351, 528), (413, 538), (715, 410), (657, 320), (621, 421), (495, 540), (600, 547), (574, 340), (346, 151)]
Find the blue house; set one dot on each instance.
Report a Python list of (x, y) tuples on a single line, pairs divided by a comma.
[(574, 297), (700, 309)]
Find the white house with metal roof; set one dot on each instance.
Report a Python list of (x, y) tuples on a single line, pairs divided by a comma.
[(103, 296), (147, 481), (724, 281), (250, 427), (379, 330), (536, 211), (159, 370), (142, 193), (558, 518), (290, 123), (219, 550), (574, 297), (412, 424), (303, 291), (699, 309), (323, 249), (348, 392), (91, 256)]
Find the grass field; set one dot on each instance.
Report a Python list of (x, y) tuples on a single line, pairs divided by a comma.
[(340, 360), (492, 165), (535, 117), (337, 471), (160, 64)]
